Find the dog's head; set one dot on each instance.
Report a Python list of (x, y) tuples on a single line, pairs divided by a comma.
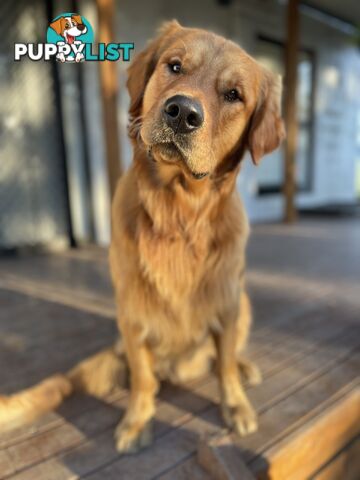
[(69, 27), (200, 101)]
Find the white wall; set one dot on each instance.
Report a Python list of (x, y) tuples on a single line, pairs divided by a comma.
[(337, 103)]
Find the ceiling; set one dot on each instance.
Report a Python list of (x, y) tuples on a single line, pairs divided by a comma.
[(348, 10)]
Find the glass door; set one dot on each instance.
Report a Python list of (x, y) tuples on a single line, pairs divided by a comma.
[(270, 53)]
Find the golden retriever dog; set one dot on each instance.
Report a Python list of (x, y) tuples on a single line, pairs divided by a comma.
[(198, 102)]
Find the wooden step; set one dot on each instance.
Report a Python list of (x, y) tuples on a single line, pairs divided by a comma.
[(322, 445)]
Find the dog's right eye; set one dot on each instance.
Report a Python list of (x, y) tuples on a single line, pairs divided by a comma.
[(175, 67), (67, 25), (232, 96)]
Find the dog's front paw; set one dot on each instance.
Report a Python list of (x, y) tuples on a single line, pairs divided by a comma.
[(242, 418), (130, 437)]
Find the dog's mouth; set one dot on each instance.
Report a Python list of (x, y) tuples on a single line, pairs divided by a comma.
[(69, 38), (170, 150), (171, 153), (166, 152), (164, 146)]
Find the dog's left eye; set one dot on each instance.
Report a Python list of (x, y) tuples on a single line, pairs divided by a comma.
[(232, 96), (67, 25), (175, 67)]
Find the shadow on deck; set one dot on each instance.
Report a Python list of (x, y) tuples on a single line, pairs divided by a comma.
[(304, 283)]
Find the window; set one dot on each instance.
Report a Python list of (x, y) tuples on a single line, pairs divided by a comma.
[(271, 53)]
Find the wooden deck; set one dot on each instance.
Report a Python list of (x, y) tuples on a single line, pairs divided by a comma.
[(304, 282)]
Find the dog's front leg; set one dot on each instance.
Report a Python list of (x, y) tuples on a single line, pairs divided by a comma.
[(134, 431), (236, 408)]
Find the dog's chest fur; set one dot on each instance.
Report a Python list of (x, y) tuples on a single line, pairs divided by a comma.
[(188, 265), (173, 258)]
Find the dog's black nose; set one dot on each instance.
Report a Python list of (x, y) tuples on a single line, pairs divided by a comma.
[(183, 114), (81, 27)]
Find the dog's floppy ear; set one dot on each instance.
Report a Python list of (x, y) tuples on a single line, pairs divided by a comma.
[(267, 129), (57, 26), (77, 18), (143, 66)]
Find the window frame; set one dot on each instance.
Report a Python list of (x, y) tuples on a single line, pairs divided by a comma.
[(307, 186)]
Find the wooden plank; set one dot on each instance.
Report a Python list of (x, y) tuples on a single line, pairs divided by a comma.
[(188, 469), (89, 302), (296, 455), (300, 454), (292, 378), (12, 301), (345, 465), (290, 413), (56, 272), (275, 313), (49, 344), (7, 464), (301, 286), (90, 253), (88, 456), (220, 458)]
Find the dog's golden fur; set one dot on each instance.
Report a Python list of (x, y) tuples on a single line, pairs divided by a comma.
[(177, 253)]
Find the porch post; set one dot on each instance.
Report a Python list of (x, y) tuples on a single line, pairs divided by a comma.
[(291, 61), (109, 94)]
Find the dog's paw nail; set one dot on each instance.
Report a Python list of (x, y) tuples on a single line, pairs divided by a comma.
[(245, 421), (242, 419), (129, 439), (244, 427)]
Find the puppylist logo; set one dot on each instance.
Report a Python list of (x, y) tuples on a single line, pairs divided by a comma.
[(70, 39)]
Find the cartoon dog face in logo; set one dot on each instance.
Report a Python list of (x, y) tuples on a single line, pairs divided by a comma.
[(69, 28)]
